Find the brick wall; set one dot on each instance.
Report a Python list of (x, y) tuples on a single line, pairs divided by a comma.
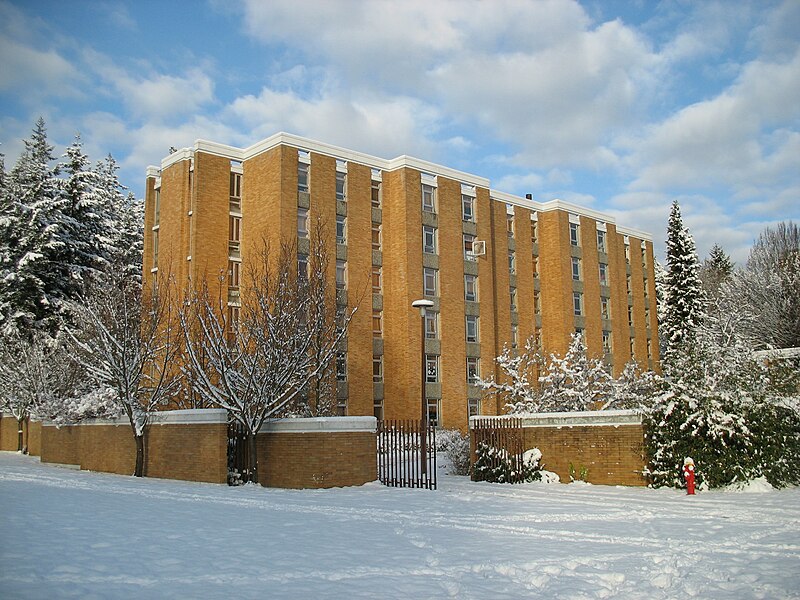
[(191, 452), (61, 445), (608, 444), (33, 435), (187, 445), (308, 453), (9, 440)]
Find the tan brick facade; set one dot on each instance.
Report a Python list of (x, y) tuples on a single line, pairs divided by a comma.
[(196, 180)]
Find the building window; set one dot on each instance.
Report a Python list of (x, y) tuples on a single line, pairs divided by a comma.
[(603, 272), (605, 307), (472, 328), (469, 239), (429, 281), (649, 349), (428, 198), (377, 280), (576, 268), (573, 234), (341, 407), (233, 320), (644, 256), (302, 266), (633, 347), (376, 193), (235, 193), (341, 229), (302, 223), (341, 186), (473, 370), (513, 293), (627, 253), (535, 267), (474, 407), (534, 232), (431, 368), (647, 316), (428, 239), (467, 208), (628, 283), (510, 225), (234, 270), (514, 335), (234, 236), (377, 323), (433, 411), (471, 288), (155, 248), (512, 262), (377, 409), (341, 366), (431, 325), (606, 341), (630, 316), (377, 369), (601, 241), (341, 275), (577, 303), (377, 241), (302, 177), (537, 302), (579, 331)]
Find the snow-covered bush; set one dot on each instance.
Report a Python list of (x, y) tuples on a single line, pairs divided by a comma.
[(455, 446), (497, 465)]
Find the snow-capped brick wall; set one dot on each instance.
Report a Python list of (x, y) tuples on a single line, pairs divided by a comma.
[(606, 447), (188, 445), (9, 438), (318, 453)]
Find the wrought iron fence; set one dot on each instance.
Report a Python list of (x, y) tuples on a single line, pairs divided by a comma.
[(400, 460), (238, 454), (506, 436)]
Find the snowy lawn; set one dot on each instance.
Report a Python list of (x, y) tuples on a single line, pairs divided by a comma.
[(89, 535)]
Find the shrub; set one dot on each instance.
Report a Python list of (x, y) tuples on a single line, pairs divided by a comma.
[(496, 465), (455, 446)]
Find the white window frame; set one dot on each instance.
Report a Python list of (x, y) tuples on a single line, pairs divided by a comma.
[(467, 208), (472, 328), (341, 229), (430, 281), (473, 370), (577, 304), (428, 198), (429, 234), (432, 368), (470, 281)]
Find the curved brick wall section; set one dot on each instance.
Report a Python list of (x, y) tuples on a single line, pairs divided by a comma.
[(318, 453), (609, 444)]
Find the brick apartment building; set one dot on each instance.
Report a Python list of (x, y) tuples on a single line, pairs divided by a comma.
[(499, 268)]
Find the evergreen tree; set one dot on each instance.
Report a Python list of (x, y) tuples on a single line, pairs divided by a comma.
[(32, 233), (684, 298), (715, 270)]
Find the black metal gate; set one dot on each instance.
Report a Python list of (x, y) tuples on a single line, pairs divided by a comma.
[(400, 457), (506, 437), (238, 454)]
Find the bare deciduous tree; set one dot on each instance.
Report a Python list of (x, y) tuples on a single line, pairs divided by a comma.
[(126, 339), (258, 359)]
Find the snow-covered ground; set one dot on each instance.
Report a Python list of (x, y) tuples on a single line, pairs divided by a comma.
[(76, 534)]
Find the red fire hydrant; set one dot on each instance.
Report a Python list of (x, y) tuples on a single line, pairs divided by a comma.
[(688, 475)]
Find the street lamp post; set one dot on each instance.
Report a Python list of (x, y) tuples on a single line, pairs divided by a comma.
[(423, 305)]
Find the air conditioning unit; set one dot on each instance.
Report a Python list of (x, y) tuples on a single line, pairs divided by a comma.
[(478, 248)]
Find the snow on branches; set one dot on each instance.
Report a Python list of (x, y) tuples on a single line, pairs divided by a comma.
[(532, 383), (259, 360)]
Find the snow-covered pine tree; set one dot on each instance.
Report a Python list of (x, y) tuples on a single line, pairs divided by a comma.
[(123, 220), (715, 271), (32, 231), (684, 299), (81, 255)]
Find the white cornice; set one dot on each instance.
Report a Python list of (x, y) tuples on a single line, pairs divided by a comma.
[(153, 171), (637, 233), (374, 162)]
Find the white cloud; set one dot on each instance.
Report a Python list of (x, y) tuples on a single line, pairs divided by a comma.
[(32, 71), (382, 126)]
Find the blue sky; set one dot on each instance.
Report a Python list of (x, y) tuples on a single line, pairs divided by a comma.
[(618, 106)]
